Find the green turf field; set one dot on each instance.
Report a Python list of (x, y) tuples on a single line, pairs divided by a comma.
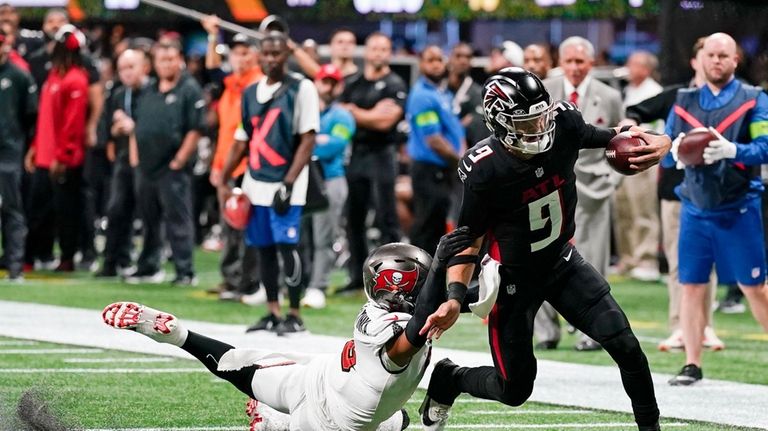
[(141, 395)]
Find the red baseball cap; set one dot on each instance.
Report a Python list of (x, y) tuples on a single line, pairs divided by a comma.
[(329, 71)]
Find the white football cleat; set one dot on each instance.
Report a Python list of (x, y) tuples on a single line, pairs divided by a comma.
[(265, 418), (157, 325), (673, 343), (434, 416), (711, 341)]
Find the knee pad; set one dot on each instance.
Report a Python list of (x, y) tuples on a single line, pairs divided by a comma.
[(625, 350), (517, 392)]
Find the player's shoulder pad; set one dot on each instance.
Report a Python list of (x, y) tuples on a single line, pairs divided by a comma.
[(375, 325), (476, 166), (567, 115)]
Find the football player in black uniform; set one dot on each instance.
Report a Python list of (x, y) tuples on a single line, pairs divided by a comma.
[(520, 197)]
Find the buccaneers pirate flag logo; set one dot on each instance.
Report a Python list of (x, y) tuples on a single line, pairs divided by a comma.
[(393, 280)]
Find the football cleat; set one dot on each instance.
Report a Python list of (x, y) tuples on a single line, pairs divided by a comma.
[(434, 416), (711, 341), (157, 325), (265, 418)]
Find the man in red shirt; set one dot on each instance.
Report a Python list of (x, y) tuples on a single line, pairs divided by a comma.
[(58, 151)]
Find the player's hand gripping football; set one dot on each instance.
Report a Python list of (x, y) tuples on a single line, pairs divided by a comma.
[(651, 154), (448, 312)]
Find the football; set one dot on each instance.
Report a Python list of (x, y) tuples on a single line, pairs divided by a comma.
[(237, 210), (691, 149), (618, 151)]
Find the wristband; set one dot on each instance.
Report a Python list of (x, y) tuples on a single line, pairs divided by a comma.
[(461, 259), (212, 38), (624, 129), (457, 290)]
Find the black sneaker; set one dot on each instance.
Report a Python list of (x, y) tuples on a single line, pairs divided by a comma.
[(15, 276), (654, 427), (689, 375), (266, 323), (290, 325)]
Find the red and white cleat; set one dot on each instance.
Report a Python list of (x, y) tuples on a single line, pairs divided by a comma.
[(157, 325), (265, 418)]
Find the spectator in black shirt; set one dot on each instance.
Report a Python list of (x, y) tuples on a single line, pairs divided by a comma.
[(376, 99), (133, 70), (168, 121), (18, 107)]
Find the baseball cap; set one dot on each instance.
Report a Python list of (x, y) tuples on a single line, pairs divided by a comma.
[(329, 71), (240, 39)]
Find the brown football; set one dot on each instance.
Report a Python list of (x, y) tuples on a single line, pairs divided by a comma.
[(618, 152), (691, 149)]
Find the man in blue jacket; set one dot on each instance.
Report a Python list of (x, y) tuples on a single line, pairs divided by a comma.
[(720, 221), (434, 146), (336, 129)]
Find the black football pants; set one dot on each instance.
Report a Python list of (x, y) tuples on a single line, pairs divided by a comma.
[(582, 296), (14, 227)]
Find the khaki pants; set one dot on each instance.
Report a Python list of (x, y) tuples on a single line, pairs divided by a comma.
[(670, 224), (637, 220)]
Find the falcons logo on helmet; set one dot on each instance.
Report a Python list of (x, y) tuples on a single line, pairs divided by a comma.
[(496, 99), (392, 280)]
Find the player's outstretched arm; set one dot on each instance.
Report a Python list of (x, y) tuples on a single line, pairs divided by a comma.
[(651, 154), (402, 348)]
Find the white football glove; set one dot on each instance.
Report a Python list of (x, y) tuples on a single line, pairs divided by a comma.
[(673, 150), (719, 149)]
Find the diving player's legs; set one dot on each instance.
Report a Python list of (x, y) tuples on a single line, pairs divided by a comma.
[(165, 328), (584, 299)]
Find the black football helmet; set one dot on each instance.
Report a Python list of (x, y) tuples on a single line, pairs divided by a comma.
[(519, 111), (393, 275)]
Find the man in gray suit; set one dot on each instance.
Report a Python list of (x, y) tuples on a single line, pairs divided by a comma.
[(596, 181)]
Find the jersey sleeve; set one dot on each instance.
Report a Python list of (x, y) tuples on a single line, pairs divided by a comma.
[(568, 117), (396, 90), (307, 108), (194, 107), (756, 151), (425, 115), (339, 133), (375, 327), (29, 100)]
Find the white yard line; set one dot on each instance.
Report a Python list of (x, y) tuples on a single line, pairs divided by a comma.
[(116, 360), (15, 343), (557, 383), (630, 425), (48, 351), (511, 411), (100, 370)]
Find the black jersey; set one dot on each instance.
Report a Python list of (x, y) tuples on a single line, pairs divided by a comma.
[(526, 208)]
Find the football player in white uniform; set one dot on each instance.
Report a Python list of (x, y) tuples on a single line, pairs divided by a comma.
[(379, 369)]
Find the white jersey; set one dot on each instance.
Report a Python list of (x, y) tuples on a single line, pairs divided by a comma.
[(354, 390)]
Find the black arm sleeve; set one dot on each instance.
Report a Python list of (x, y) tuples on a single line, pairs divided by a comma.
[(474, 212), (429, 299), (596, 137), (655, 108)]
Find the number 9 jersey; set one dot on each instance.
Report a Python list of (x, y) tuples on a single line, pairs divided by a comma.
[(526, 206)]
